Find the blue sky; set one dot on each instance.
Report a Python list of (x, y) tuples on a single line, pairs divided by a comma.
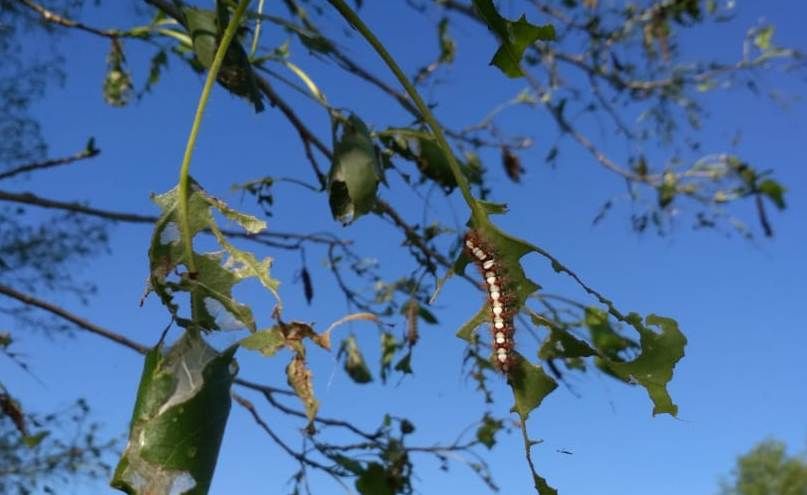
[(739, 302)]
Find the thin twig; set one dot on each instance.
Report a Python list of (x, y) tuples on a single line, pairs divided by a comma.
[(52, 17), (84, 154), (76, 320)]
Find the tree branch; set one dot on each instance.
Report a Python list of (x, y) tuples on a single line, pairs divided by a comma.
[(76, 320), (49, 16), (84, 154)]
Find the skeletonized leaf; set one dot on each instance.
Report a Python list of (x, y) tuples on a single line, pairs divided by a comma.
[(216, 272)]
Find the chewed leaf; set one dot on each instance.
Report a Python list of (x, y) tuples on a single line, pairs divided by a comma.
[(562, 344), (251, 224), (466, 331), (215, 275), (244, 264), (653, 368), (515, 37), (178, 420), (267, 342), (215, 281), (530, 386), (486, 433), (608, 342)]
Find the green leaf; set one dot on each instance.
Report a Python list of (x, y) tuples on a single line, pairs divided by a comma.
[(404, 365), (486, 433), (542, 486), (236, 75), (355, 170), (605, 339), (466, 331), (515, 37), (211, 294), (774, 191), (667, 190), (373, 481), (178, 421), (653, 368), (216, 273), (158, 62), (530, 386), (348, 463), (355, 365), (562, 344), (448, 48), (389, 346), (32, 441), (267, 342), (763, 38), (419, 147)]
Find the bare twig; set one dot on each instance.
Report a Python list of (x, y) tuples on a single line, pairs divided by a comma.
[(52, 17), (84, 154)]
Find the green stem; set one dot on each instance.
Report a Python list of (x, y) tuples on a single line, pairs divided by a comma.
[(184, 170), (257, 36), (351, 17)]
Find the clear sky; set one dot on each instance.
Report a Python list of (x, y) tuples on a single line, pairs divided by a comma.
[(744, 378)]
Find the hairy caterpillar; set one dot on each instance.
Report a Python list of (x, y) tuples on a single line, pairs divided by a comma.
[(500, 302)]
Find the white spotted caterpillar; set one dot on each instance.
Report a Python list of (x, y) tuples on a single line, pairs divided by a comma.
[(499, 300)]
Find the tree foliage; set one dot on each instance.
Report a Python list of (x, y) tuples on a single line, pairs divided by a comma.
[(630, 73), (768, 469)]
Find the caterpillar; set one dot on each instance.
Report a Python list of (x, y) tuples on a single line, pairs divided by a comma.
[(500, 302)]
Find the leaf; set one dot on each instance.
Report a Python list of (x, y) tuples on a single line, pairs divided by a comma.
[(605, 339), (667, 190), (653, 368), (216, 273), (373, 481), (158, 62), (355, 171), (515, 37), (530, 386), (562, 344), (774, 191), (351, 465), (763, 37), (118, 81), (32, 441), (236, 75), (542, 486), (178, 420), (355, 365), (389, 346), (267, 342), (448, 47), (404, 365), (486, 433), (299, 378)]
